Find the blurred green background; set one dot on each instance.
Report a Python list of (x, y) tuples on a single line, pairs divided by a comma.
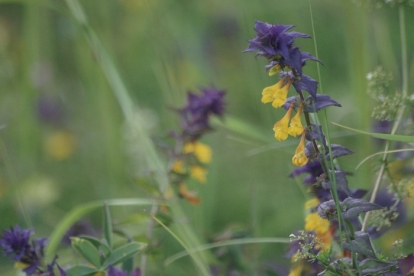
[(65, 142)]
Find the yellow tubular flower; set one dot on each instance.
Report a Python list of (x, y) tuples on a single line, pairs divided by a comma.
[(281, 126), (300, 159), (277, 93), (201, 151), (296, 127)]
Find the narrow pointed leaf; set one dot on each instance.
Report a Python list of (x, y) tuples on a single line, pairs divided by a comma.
[(354, 207), (375, 267), (338, 151), (391, 137), (123, 253), (87, 250)]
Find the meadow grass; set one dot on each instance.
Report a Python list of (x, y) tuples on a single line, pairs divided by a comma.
[(116, 68)]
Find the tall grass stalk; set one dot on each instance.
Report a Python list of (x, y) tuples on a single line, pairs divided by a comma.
[(400, 112), (129, 110)]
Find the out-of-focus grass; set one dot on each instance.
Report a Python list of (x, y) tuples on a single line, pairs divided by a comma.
[(163, 49)]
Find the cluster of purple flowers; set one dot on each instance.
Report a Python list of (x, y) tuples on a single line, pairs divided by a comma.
[(28, 255), (334, 206), (195, 115)]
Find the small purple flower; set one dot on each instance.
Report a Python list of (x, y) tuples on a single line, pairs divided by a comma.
[(195, 116)]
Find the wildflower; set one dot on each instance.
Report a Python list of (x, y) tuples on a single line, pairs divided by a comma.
[(195, 116), (276, 44), (300, 159), (312, 169), (281, 127), (277, 94), (60, 145), (198, 173), (178, 167), (190, 196), (296, 127), (201, 151), (27, 256)]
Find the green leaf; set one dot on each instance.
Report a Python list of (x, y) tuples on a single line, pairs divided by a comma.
[(81, 210), (128, 265), (391, 137), (107, 225), (123, 253), (81, 270), (87, 250), (99, 244)]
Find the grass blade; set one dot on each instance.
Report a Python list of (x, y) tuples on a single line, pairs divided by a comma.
[(177, 256), (391, 137)]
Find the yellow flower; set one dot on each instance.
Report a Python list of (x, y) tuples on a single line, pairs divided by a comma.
[(60, 145), (281, 127), (275, 70), (178, 167), (300, 159), (296, 270), (201, 151), (321, 227), (198, 173), (311, 203), (296, 127), (191, 197), (276, 94)]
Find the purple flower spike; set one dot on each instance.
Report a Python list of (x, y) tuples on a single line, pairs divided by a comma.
[(276, 44), (195, 116)]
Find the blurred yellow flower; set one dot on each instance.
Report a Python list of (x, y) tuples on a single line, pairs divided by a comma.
[(199, 173), (201, 151), (321, 227), (178, 167), (60, 145)]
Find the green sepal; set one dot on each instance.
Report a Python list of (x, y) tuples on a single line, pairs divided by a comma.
[(123, 253), (81, 270), (87, 250)]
